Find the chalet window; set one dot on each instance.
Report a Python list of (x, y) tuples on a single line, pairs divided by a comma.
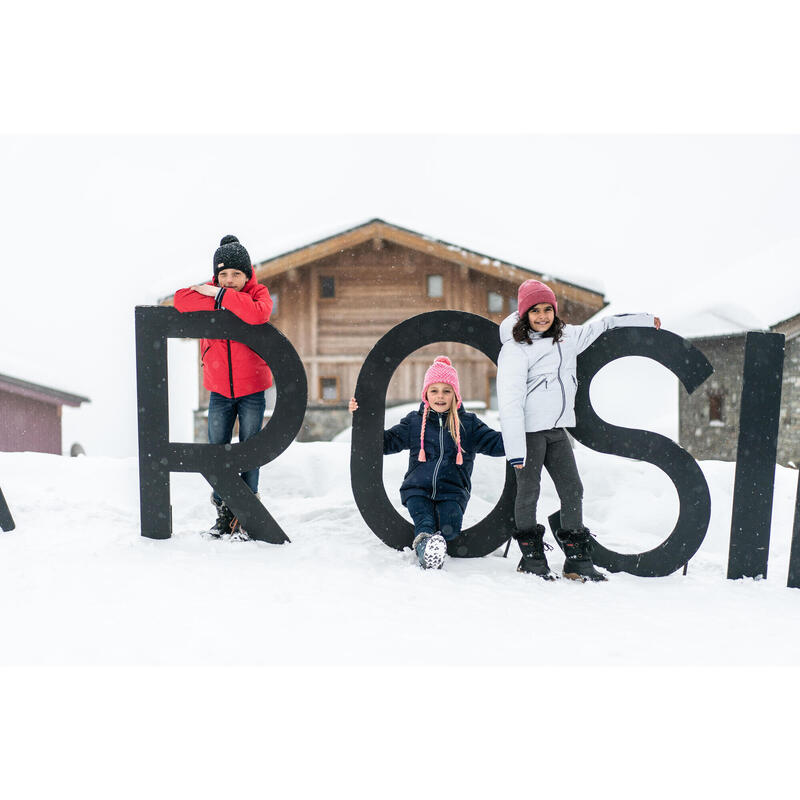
[(715, 408), (495, 302), (327, 286), (513, 304), (329, 389), (435, 286), (274, 296)]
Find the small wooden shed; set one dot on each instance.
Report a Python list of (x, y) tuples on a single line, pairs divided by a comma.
[(30, 415)]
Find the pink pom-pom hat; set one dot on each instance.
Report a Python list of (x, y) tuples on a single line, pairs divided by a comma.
[(441, 371)]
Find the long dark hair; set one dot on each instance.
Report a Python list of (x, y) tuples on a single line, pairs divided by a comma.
[(522, 330)]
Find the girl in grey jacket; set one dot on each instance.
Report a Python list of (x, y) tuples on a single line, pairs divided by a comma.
[(536, 387)]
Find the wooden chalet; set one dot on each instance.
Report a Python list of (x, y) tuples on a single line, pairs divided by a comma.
[(335, 298)]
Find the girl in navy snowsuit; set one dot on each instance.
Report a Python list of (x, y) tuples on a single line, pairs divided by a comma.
[(442, 439)]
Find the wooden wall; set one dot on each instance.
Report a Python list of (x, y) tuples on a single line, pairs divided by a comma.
[(28, 424)]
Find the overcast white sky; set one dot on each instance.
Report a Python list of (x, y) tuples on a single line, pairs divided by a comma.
[(286, 124), (96, 225)]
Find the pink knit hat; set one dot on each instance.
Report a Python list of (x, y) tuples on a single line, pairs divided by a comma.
[(441, 371), (532, 292)]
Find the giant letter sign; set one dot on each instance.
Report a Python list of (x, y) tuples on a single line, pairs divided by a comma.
[(754, 484), (366, 454), (220, 464), (691, 368), (793, 580), (6, 520)]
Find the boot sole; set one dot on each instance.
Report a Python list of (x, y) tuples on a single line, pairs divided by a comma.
[(435, 552), (574, 576), (545, 574)]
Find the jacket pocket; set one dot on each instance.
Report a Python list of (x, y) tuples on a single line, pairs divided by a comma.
[(539, 380)]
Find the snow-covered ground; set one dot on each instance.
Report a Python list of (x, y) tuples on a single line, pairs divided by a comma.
[(334, 666), (79, 585)]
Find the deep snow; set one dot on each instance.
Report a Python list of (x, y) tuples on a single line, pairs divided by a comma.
[(79, 585)]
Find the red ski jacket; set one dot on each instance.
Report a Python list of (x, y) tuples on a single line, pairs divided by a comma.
[(229, 367)]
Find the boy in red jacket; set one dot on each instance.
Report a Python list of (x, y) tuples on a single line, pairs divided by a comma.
[(234, 375)]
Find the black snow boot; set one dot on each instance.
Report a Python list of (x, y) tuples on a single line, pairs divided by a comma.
[(533, 560), (226, 520), (578, 564)]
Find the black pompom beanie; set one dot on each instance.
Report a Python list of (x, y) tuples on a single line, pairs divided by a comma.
[(231, 255)]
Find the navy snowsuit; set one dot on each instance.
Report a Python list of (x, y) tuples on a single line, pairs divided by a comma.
[(439, 478)]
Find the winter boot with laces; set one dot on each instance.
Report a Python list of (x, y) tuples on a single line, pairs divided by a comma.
[(225, 519), (578, 564), (238, 533), (431, 549), (534, 560)]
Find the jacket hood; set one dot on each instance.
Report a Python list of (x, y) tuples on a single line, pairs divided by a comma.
[(506, 326)]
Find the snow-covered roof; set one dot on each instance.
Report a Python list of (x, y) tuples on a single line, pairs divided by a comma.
[(719, 320), (33, 374)]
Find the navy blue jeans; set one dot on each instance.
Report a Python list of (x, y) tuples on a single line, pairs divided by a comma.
[(222, 413), (435, 515)]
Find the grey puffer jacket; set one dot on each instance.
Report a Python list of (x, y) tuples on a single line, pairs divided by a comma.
[(537, 382)]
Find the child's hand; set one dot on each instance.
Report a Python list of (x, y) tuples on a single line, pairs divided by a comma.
[(204, 288), (658, 323), (352, 405)]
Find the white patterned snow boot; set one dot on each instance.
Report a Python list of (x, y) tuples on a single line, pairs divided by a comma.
[(431, 549)]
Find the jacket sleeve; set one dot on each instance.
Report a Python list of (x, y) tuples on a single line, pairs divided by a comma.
[(487, 440), (252, 308), (589, 332), (512, 382), (396, 439), (190, 300)]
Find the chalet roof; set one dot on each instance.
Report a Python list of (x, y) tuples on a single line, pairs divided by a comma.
[(378, 229), (37, 391)]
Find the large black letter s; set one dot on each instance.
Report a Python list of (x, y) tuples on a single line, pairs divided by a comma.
[(692, 368)]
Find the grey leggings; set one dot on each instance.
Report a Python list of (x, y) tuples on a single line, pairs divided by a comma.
[(553, 450)]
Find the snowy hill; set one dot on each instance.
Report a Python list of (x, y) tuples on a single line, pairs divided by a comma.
[(83, 587)]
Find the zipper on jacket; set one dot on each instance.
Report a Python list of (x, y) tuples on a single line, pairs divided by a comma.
[(561, 383), (441, 456), (230, 367)]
